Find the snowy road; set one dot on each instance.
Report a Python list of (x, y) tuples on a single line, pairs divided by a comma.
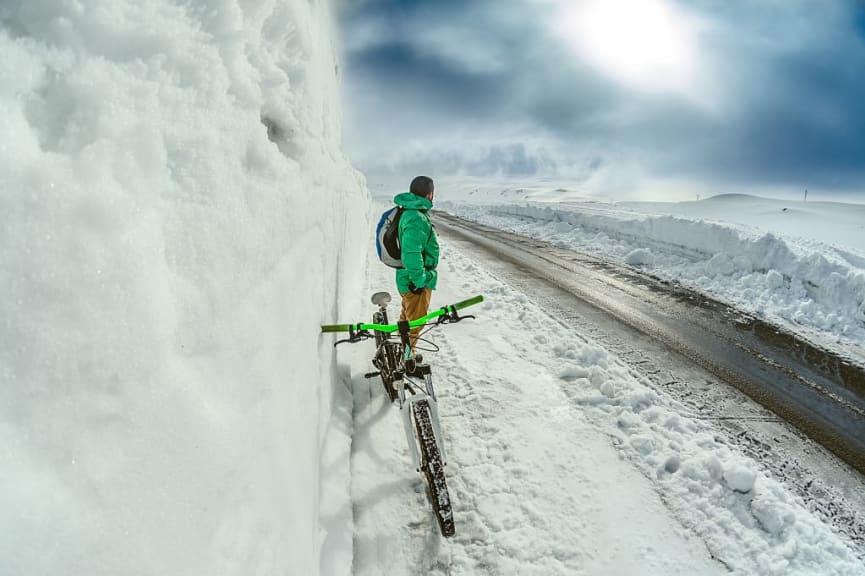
[(822, 395), (564, 459), (829, 487), (536, 488)]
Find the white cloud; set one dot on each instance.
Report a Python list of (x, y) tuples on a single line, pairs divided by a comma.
[(649, 46)]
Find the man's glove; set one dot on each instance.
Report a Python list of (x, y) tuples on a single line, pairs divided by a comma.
[(414, 289)]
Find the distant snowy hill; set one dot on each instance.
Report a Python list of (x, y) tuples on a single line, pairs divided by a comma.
[(177, 220)]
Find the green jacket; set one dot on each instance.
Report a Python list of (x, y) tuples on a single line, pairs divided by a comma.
[(418, 244)]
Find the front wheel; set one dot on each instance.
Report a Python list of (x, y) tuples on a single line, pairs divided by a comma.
[(433, 469)]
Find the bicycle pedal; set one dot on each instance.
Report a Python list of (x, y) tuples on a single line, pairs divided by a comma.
[(369, 375)]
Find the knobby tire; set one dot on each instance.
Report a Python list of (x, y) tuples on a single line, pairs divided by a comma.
[(433, 468)]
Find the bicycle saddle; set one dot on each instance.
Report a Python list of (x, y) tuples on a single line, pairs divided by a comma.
[(380, 298)]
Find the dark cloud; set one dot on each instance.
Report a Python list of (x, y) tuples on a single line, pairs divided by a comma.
[(492, 92), (797, 113), (419, 80)]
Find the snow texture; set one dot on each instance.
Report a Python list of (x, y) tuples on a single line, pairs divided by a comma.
[(177, 219), (562, 461), (797, 264)]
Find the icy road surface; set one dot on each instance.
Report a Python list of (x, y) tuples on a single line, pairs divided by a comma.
[(814, 389)]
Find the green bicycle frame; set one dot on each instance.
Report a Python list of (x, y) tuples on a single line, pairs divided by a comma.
[(388, 328)]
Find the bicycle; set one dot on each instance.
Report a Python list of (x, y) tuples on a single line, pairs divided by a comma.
[(411, 382)]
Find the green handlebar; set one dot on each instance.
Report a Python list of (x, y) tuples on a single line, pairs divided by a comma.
[(413, 324)]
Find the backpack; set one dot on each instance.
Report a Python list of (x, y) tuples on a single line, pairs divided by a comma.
[(387, 237)]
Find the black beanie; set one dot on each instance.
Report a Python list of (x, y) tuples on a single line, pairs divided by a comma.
[(421, 186)]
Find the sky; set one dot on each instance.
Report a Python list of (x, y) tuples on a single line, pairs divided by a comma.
[(635, 98)]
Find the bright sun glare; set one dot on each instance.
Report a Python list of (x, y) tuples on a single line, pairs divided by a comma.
[(645, 44)]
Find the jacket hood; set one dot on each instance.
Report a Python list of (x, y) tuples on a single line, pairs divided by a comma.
[(412, 201)]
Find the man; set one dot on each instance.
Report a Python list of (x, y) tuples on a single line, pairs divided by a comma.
[(420, 251)]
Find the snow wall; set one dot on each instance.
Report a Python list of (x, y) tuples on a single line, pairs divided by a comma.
[(177, 220)]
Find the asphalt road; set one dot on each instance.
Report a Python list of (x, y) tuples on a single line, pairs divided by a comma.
[(752, 377)]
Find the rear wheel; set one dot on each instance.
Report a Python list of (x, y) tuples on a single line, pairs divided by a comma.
[(433, 468), (390, 353), (386, 362), (385, 359)]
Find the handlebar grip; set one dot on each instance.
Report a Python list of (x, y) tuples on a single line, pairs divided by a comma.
[(335, 327), (466, 303)]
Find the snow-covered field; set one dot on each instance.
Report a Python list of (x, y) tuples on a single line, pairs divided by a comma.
[(563, 461), (796, 263)]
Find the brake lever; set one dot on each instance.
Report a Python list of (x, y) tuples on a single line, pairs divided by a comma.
[(354, 336), (452, 316)]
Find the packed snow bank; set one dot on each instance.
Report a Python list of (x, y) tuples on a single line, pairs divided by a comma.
[(784, 271), (175, 227)]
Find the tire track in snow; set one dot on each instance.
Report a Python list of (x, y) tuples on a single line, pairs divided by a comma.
[(529, 479)]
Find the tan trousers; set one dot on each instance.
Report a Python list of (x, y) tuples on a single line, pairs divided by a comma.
[(413, 307)]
